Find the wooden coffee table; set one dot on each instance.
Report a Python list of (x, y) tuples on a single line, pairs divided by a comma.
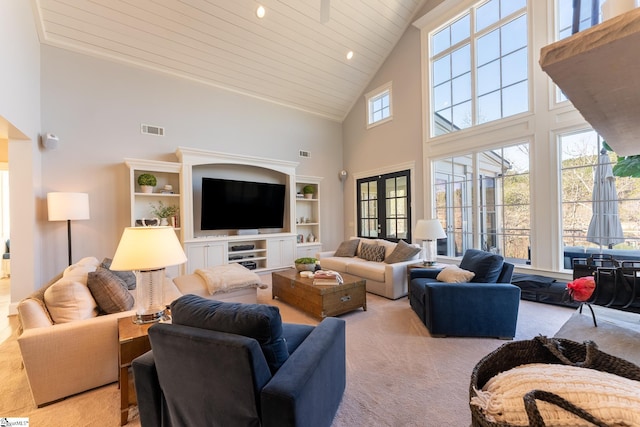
[(319, 301)]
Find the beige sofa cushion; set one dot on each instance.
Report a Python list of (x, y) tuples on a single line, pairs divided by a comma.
[(336, 263), (68, 300), (80, 270), (454, 274), (368, 270)]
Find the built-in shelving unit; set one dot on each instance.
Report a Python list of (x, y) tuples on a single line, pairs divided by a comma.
[(166, 173), (264, 251), (309, 237), (599, 71)]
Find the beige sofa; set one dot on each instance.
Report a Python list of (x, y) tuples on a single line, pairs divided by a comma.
[(384, 279), (67, 348)]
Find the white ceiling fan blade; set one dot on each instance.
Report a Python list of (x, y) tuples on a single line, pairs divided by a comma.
[(325, 7)]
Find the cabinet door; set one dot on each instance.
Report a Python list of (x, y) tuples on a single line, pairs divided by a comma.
[(280, 252), (203, 255)]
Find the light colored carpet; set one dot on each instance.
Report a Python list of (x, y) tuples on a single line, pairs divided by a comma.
[(618, 332), (397, 375)]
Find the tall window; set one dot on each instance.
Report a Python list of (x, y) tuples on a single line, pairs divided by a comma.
[(483, 198), (586, 205), (379, 105), (479, 68)]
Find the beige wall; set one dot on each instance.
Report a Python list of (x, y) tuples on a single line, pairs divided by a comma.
[(96, 107), (19, 126), (396, 142)]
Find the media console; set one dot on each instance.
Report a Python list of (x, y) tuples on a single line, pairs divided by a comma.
[(260, 253)]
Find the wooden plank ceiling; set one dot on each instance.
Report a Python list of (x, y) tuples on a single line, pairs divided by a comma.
[(289, 57)]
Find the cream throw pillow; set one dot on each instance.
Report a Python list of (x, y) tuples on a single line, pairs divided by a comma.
[(613, 399), (454, 274), (68, 300)]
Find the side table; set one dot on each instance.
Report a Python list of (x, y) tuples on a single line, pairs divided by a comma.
[(133, 342)]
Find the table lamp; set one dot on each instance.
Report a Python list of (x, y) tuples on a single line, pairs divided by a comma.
[(67, 207), (147, 251), (429, 231)]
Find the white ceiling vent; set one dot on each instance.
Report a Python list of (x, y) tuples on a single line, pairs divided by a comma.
[(152, 130), (304, 153)]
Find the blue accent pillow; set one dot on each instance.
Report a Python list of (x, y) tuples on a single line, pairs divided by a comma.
[(486, 265), (258, 321)]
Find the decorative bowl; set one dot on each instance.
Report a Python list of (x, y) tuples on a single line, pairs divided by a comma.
[(305, 267)]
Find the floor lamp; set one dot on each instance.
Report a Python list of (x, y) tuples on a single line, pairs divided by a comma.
[(147, 251), (429, 231), (67, 207)]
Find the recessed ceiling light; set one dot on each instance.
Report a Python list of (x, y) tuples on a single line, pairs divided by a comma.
[(260, 11), (350, 54)]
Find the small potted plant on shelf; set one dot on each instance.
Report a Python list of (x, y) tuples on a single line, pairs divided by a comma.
[(163, 212), (146, 181), (308, 191), (306, 264)]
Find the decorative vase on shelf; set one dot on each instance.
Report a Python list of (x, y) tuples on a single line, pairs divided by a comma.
[(146, 188), (164, 222)]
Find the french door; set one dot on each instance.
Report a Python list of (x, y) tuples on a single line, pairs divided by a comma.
[(384, 206)]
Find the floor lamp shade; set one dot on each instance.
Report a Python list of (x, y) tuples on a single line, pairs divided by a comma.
[(147, 251), (429, 231), (66, 207)]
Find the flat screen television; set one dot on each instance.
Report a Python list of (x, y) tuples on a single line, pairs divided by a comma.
[(229, 204)]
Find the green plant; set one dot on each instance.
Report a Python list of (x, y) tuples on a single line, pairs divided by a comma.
[(308, 189), (306, 261), (162, 211), (625, 166), (147, 179)]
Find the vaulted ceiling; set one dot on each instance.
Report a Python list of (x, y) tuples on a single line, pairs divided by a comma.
[(295, 56)]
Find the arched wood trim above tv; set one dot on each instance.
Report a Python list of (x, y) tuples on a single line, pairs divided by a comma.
[(190, 157)]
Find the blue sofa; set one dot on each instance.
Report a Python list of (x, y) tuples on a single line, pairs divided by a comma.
[(232, 364), (485, 307)]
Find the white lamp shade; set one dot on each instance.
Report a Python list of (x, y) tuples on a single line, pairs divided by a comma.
[(148, 248), (429, 229), (66, 206)]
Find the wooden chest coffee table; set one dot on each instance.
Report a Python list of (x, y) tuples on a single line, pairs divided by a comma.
[(319, 301)]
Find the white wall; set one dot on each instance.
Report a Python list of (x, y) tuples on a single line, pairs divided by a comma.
[(96, 107), (19, 125)]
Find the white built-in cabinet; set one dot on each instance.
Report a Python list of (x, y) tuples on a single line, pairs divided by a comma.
[(309, 238), (263, 251)]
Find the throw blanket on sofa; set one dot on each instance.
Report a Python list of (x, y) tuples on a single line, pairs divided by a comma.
[(226, 278)]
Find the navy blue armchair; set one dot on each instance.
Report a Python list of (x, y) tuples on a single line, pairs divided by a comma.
[(252, 371), (487, 306)]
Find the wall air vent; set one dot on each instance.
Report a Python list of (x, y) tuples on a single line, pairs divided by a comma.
[(305, 154), (152, 130)]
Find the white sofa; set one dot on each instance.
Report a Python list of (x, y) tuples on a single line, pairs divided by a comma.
[(387, 280), (80, 353)]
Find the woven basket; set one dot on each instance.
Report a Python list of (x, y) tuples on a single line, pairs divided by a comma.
[(544, 350)]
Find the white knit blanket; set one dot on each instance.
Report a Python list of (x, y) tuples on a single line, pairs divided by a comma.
[(611, 398), (226, 278)]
